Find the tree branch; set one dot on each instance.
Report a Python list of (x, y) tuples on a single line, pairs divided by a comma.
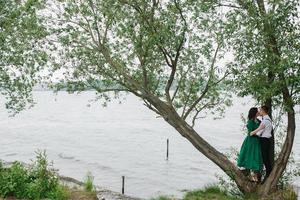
[(230, 6), (96, 21), (175, 61), (207, 86), (149, 105), (195, 117), (91, 31), (187, 100)]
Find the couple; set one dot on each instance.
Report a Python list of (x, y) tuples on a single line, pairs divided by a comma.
[(256, 148)]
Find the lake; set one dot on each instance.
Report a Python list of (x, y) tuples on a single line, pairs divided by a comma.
[(120, 140)]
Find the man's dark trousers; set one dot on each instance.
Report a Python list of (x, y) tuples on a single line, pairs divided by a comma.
[(265, 144)]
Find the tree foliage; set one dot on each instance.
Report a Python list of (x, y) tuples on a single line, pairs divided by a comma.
[(20, 54), (264, 36), (143, 47)]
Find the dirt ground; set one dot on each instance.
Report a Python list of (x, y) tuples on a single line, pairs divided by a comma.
[(80, 195), (75, 195)]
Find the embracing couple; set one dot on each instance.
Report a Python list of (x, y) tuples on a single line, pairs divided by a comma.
[(256, 148)]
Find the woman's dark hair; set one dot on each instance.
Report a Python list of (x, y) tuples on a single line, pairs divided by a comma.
[(252, 113)]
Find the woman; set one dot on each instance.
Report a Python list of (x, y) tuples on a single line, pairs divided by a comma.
[(250, 156)]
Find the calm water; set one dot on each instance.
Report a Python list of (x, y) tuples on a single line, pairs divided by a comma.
[(119, 140)]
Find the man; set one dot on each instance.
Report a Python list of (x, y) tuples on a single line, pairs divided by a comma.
[(264, 131)]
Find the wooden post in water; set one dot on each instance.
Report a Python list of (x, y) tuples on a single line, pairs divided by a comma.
[(123, 184), (167, 148)]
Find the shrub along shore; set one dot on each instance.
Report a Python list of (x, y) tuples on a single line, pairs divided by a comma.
[(40, 180), (37, 181)]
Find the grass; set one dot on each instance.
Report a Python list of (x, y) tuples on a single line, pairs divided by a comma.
[(215, 193), (208, 193), (161, 198), (286, 194), (88, 183)]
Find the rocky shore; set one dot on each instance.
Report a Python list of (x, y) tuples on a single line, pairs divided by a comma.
[(102, 193)]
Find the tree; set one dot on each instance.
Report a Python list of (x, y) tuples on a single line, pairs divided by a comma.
[(167, 53), (265, 38), (20, 55)]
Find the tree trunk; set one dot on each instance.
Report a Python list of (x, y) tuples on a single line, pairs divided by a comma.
[(281, 162)]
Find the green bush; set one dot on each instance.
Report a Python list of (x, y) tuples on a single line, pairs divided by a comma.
[(13, 180), (38, 181)]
